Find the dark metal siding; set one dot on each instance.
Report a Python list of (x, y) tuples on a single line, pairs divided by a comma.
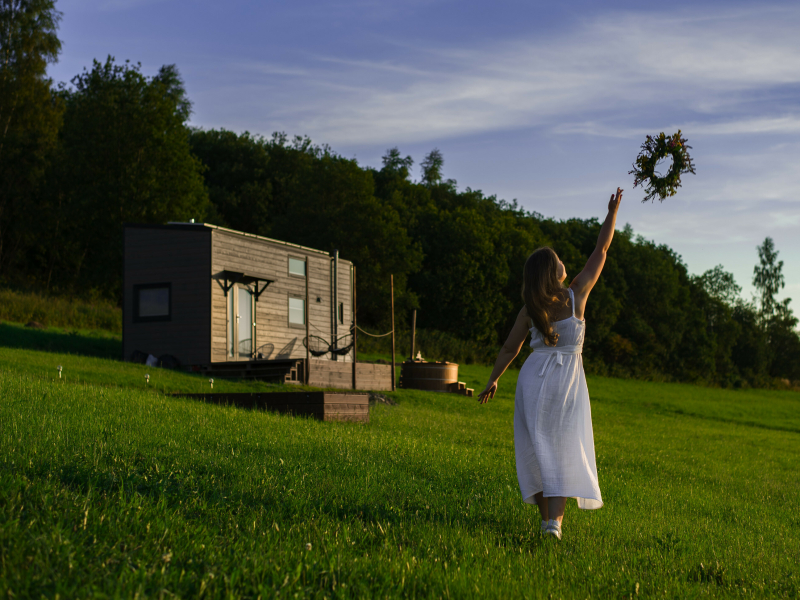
[(180, 256)]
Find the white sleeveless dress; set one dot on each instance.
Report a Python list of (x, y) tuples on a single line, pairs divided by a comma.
[(553, 439)]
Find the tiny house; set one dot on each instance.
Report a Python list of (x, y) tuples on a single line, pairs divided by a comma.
[(229, 302)]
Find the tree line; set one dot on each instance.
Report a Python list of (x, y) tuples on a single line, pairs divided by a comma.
[(77, 161)]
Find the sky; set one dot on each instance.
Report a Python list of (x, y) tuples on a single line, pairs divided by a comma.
[(543, 102)]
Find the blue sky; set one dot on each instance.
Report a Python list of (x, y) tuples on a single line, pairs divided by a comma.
[(542, 102)]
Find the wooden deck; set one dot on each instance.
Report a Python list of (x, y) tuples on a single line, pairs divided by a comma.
[(323, 406), (324, 373), (280, 371)]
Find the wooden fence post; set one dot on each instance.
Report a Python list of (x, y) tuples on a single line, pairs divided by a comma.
[(413, 332), (355, 332), (307, 370), (391, 285)]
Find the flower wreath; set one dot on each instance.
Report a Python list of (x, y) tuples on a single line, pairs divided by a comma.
[(653, 150)]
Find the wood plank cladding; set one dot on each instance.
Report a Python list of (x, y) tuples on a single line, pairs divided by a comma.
[(323, 406), (275, 337), (182, 258), (327, 373)]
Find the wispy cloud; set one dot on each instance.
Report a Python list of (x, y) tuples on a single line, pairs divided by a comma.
[(625, 71), (741, 126), (118, 5), (786, 124)]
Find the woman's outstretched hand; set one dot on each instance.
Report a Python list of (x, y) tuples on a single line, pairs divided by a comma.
[(613, 204), (488, 393)]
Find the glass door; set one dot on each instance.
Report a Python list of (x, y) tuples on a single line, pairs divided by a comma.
[(240, 323), (244, 329)]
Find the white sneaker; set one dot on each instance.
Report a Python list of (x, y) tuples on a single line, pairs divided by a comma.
[(544, 527), (553, 528)]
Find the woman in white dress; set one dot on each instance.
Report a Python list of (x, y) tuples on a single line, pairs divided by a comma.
[(553, 439)]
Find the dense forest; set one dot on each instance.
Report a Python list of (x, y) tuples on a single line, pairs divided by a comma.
[(77, 161)]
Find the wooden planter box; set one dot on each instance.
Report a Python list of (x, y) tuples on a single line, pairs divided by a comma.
[(323, 406)]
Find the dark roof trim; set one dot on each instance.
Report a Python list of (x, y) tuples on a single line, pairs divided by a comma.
[(200, 227)]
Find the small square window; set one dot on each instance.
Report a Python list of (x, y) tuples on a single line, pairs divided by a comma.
[(297, 266), (152, 302), (297, 311)]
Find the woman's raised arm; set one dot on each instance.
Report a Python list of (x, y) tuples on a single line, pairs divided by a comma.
[(585, 280)]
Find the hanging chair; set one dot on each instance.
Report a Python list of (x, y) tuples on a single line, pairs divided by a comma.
[(343, 345), (316, 345), (264, 351)]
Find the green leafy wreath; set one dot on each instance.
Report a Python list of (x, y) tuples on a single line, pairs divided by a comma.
[(653, 150)]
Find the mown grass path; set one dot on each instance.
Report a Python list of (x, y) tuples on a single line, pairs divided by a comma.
[(119, 492)]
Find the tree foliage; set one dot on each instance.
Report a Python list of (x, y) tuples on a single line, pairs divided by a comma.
[(768, 277), (123, 157), (29, 121), (432, 167), (720, 284)]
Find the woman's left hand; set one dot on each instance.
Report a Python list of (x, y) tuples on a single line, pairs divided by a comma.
[(488, 393), (613, 204)]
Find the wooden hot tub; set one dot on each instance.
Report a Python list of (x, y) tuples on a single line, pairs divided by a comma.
[(432, 376)]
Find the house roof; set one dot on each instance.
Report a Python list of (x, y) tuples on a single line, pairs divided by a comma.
[(200, 226)]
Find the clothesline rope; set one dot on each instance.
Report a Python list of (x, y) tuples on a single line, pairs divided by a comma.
[(372, 334)]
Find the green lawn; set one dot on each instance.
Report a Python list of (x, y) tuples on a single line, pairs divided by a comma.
[(92, 357), (108, 489), (98, 343)]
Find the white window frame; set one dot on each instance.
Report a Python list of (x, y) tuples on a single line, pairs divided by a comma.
[(300, 260), (289, 315)]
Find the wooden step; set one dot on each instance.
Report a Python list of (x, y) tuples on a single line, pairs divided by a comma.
[(324, 406), (461, 388), (285, 371)]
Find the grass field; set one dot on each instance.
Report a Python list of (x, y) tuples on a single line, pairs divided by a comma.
[(59, 311), (111, 490)]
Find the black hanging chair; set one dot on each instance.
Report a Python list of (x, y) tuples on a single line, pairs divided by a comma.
[(264, 351), (316, 345), (343, 345)]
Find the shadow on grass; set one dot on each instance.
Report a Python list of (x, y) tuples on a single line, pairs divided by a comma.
[(99, 344)]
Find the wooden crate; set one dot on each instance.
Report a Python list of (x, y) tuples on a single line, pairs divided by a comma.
[(323, 406)]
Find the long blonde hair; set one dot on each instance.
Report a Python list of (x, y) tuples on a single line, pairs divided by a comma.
[(540, 291)]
